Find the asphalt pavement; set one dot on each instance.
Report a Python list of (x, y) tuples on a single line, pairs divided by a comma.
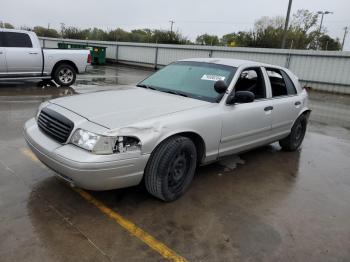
[(263, 205)]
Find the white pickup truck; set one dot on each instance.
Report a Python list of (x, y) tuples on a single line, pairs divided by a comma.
[(22, 57)]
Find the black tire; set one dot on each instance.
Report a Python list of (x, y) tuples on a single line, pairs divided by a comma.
[(296, 136), (171, 168), (64, 75)]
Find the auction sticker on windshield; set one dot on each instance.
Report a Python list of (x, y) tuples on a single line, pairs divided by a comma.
[(212, 77)]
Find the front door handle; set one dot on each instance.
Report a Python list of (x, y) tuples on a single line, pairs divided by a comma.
[(297, 103), (33, 53), (1, 53), (268, 108)]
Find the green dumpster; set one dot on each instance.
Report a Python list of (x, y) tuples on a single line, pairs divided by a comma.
[(98, 53)]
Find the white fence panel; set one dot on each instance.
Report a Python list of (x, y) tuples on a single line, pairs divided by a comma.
[(167, 55), (136, 54), (323, 70)]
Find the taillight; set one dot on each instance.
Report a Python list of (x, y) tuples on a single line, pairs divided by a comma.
[(89, 59)]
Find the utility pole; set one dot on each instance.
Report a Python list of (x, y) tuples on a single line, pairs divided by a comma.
[(344, 37), (62, 29), (286, 24), (319, 30), (171, 25)]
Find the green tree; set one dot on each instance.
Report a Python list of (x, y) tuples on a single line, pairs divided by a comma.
[(328, 43), (167, 37), (97, 34), (46, 32), (141, 35), (302, 32), (121, 35), (6, 25), (207, 39), (268, 32), (76, 33), (238, 39)]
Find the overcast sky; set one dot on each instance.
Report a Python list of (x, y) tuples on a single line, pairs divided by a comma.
[(192, 17)]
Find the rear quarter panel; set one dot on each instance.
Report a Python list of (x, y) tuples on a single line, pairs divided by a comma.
[(53, 56)]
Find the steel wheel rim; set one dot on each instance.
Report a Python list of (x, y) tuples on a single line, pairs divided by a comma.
[(299, 133), (65, 75), (178, 170)]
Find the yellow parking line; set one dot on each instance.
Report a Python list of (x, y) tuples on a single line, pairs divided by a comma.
[(149, 240), (133, 229), (29, 154)]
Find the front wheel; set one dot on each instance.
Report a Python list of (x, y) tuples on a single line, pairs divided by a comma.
[(296, 136), (64, 75), (171, 168)]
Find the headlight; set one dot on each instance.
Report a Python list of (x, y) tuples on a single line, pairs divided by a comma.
[(104, 144)]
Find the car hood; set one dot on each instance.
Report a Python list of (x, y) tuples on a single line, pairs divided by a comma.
[(125, 106)]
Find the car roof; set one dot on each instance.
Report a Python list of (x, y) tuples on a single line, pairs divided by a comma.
[(229, 62), (244, 63), (15, 30)]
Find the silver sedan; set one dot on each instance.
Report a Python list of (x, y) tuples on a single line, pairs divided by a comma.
[(190, 113)]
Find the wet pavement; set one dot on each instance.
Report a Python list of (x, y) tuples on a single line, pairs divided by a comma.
[(263, 205)]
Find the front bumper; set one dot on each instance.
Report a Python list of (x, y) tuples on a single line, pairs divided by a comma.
[(82, 168)]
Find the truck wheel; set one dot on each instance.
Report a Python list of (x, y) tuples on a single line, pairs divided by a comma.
[(64, 75), (296, 136), (171, 168)]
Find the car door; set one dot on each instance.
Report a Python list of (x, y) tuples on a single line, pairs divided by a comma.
[(3, 68), (285, 101), (22, 58), (247, 125)]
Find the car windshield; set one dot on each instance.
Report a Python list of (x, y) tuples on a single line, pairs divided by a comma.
[(192, 79)]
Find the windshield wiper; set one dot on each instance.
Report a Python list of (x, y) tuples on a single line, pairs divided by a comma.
[(146, 86), (174, 93), (166, 91)]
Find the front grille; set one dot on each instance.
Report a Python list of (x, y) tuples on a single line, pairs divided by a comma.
[(55, 125)]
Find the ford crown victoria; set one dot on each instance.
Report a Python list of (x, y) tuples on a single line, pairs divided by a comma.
[(190, 113)]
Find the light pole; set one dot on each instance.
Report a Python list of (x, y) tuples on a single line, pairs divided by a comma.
[(171, 25), (286, 24), (322, 13), (62, 29), (344, 37)]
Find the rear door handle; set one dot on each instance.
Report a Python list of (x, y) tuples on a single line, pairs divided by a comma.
[(268, 108), (1, 53), (33, 53), (297, 103)]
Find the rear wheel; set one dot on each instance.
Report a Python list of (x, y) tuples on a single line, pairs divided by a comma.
[(64, 75), (171, 168), (296, 136)]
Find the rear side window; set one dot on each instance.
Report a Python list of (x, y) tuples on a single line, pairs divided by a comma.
[(281, 84), (289, 84), (13, 39), (2, 38)]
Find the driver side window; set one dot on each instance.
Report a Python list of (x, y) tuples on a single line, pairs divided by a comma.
[(252, 80)]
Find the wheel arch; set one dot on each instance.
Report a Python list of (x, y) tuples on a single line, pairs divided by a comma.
[(306, 111), (61, 62), (196, 139)]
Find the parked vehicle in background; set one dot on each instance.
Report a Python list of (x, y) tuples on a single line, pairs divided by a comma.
[(190, 113), (21, 57)]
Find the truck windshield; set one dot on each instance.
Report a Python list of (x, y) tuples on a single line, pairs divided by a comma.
[(192, 79)]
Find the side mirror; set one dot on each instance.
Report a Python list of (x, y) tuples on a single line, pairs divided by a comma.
[(220, 87), (241, 97)]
